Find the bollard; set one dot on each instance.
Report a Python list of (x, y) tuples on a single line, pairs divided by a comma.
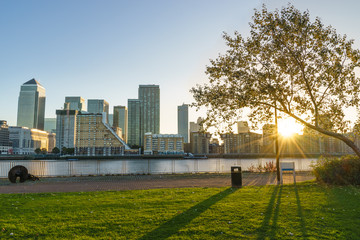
[(236, 177)]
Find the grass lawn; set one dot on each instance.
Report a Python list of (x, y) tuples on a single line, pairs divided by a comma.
[(304, 211)]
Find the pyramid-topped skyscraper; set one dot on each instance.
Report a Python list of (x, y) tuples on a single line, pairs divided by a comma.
[(31, 105)]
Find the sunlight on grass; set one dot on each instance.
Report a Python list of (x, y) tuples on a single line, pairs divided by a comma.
[(289, 211)]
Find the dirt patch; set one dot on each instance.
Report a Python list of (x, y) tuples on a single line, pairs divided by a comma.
[(138, 182)]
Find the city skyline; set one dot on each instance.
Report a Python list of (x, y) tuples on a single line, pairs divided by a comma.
[(105, 50)]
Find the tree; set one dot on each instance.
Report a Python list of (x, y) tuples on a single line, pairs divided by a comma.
[(43, 151), (37, 151), (56, 150), (302, 68)]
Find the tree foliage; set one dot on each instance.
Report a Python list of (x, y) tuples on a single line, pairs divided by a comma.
[(301, 67)]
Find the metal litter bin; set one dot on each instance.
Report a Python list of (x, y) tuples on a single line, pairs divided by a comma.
[(236, 177)]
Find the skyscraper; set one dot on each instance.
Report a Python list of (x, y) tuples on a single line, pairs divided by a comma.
[(31, 105), (149, 96), (76, 103), (183, 121), (99, 106), (134, 137), (66, 128), (121, 120)]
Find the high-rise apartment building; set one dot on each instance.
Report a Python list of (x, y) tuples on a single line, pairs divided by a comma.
[(66, 128), (76, 103), (134, 137), (95, 137), (31, 105), (99, 106), (149, 96), (120, 117), (183, 121)]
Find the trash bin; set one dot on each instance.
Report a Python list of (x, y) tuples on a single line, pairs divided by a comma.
[(236, 177)]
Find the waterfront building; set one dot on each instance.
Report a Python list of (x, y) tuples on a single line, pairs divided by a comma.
[(183, 121), (246, 142), (21, 140), (134, 137), (31, 105), (149, 97), (163, 144), (66, 128), (50, 125), (76, 103), (121, 120), (25, 140), (94, 136), (199, 142), (99, 106), (39, 139), (5, 143)]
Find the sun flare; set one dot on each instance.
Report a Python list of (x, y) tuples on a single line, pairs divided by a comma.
[(288, 127)]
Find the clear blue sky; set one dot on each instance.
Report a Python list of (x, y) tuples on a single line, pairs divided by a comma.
[(106, 49)]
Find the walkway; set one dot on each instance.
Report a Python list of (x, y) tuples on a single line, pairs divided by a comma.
[(138, 182)]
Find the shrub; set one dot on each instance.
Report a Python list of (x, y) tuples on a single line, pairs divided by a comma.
[(338, 171)]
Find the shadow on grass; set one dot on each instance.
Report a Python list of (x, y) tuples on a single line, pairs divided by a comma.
[(176, 223), (263, 230), (272, 213), (300, 213)]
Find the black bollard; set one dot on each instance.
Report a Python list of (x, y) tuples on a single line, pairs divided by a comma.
[(236, 177)]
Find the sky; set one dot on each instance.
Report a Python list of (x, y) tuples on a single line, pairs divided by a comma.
[(104, 49)]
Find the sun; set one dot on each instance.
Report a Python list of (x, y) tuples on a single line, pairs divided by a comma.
[(288, 127)]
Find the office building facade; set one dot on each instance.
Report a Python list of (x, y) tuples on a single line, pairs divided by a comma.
[(98, 106), (149, 96), (50, 125), (120, 117), (31, 105), (5, 143), (134, 113), (183, 121), (76, 103)]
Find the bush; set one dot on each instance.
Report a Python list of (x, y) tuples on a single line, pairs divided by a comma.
[(338, 171)]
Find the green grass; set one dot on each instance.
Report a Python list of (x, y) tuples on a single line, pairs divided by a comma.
[(307, 211)]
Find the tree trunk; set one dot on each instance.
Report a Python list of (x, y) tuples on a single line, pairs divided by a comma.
[(277, 147)]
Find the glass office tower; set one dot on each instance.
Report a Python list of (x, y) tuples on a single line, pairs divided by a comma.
[(149, 96), (31, 105), (121, 120), (183, 121), (134, 137)]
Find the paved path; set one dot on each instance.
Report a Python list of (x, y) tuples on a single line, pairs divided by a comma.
[(133, 182)]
